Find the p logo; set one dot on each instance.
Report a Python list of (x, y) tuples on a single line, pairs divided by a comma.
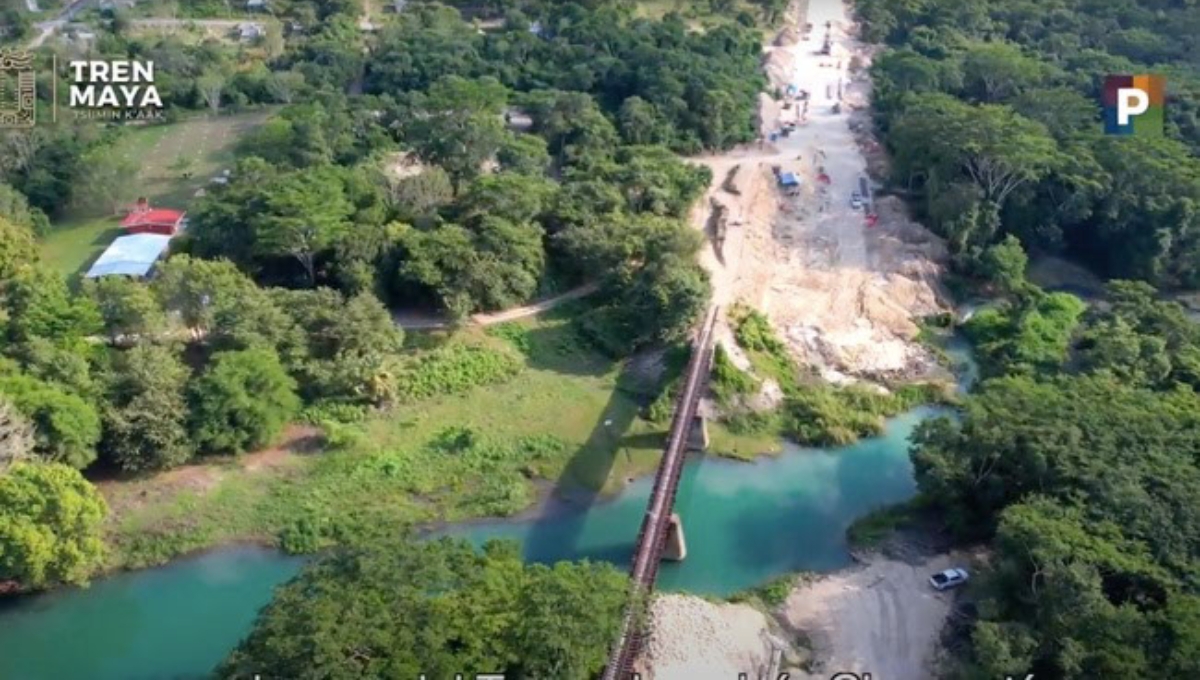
[(1133, 105)]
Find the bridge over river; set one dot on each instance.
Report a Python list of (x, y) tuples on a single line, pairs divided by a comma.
[(659, 523)]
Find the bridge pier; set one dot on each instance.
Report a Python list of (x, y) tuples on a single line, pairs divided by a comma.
[(675, 549), (698, 434)]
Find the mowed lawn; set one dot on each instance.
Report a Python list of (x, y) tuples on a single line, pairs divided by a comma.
[(565, 392), (78, 239)]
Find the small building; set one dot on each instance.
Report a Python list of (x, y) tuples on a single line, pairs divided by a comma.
[(143, 219), (396, 6), (133, 255), (256, 5), (251, 30)]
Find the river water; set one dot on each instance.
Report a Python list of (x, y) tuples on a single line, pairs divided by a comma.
[(744, 523)]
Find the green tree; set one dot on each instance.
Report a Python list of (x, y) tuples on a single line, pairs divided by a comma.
[(996, 71), (197, 289), (107, 182), (40, 305), (17, 249), (1004, 265), (998, 149), (145, 421), (51, 520), (67, 427), (127, 307), (241, 402), (524, 155), (458, 124), (436, 607), (493, 264), (16, 435), (304, 214)]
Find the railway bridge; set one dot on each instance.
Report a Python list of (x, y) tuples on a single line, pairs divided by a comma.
[(662, 530)]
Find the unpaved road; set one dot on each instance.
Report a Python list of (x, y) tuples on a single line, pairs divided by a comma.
[(416, 321), (843, 294), (882, 619)]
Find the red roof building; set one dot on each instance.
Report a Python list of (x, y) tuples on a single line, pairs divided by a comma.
[(143, 220)]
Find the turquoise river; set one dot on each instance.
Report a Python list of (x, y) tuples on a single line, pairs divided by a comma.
[(745, 523)]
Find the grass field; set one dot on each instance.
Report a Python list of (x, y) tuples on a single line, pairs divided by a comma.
[(76, 240), (564, 422)]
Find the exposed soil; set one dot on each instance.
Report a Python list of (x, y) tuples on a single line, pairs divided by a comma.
[(694, 638), (842, 292), (126, 495)]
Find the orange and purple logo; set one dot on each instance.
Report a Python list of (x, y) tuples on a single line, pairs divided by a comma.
[(1133, 105)]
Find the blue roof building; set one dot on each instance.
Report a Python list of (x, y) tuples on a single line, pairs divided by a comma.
[(133, 255), (789, 179)]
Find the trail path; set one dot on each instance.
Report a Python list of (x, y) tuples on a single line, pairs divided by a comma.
[(409, 320)]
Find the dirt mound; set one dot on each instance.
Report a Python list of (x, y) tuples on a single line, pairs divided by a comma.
[(691, 638)]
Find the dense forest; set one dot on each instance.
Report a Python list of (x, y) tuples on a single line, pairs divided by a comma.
[(403, 609), (991, 111), (1077, 458)]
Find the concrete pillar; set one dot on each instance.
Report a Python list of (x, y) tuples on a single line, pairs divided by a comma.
[(676, 548), (698, 434)]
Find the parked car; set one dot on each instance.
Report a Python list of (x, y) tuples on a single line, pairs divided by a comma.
[(950, 578), (856, 201)]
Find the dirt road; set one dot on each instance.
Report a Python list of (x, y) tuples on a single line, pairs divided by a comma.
[(414, 321), (842, 292), (883, 618)]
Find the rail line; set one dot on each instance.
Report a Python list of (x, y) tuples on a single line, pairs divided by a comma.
[(652, 537)]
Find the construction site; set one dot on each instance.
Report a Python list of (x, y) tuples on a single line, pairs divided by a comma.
[(797, 230), (795, 227)]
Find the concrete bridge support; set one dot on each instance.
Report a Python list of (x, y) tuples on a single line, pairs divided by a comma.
[(698, 434), (676, 548)]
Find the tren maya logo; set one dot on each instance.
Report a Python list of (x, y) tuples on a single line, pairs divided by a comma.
[(18, 93), (1133, 105), (112, 90)]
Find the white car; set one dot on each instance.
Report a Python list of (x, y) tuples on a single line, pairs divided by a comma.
[(950, 578), (856, 201)]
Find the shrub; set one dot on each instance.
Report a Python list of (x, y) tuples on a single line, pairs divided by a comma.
[(456, 368)]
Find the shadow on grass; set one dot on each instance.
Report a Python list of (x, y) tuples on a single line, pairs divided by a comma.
[(556, 533)]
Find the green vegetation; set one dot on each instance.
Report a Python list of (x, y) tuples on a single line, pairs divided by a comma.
[(813, 411), (455, 368), (402, 609), (1076, 461), (50, 519), (772, 594), (991, 110), (871, 529), (476, 452)]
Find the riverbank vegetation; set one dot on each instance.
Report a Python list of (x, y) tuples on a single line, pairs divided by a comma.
[(407, 609), (1076, 459), (809, 410)]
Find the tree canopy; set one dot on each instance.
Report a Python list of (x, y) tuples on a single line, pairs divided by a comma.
[(50, 524), (402, 609)]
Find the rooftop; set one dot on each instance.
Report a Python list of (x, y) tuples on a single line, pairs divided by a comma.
[(133, 255)]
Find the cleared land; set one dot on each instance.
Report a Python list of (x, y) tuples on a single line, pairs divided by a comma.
[(568, 406), (74, 242)]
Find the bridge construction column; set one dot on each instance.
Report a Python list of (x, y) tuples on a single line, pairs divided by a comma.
[(698, 434), (676, 548)]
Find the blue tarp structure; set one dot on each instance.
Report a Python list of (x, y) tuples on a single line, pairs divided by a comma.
[(133, 255), (789, 179)]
